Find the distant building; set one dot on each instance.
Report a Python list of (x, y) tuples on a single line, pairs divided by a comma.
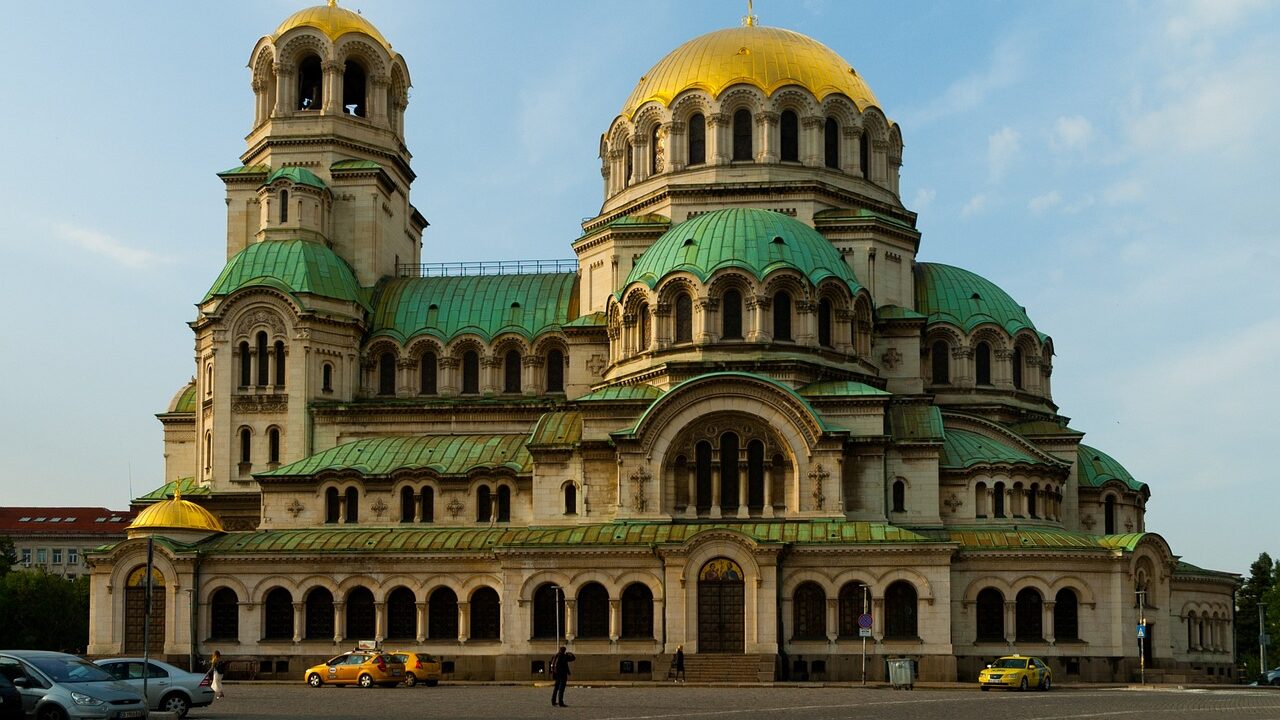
[(56, 538)]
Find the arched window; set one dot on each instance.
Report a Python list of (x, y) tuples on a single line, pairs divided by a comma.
[(864, 155), (484, 504), (470, 372), (511, 372), (486, 614), (980, 500), (284, 206), (1066, 615), (555, 371), (655, 150), (1191, 630), (224, 615), (331, 507), (900, 611), (264, 374), (742, 135), (1109, 515), (853, 603), (684, 318), (782, 316), (353, 505), (729, 476), (1030, 619), (326, 378), (982, 363), (442, 614), (824, 322), (637, 611), (997, 500), (353, 90), (1017, 368), (246, 446), (789, 124), (319, 615), (702, 453), (273, 445), (548, 611), (570, 499), (279, 363), (361, 623), (809, 612), (755, 477), (697, 139), (277, 615), (408, 505), (990, 616), (899, 496), (427, 374), (387, 373), (731, 306), (504, 504), (642, 326), (246, 360), (402, 614), (208, 450), (831, 143), (1031, 500), (940, 357), (310, 84), (593, 611), (428, 504), (629, 177)]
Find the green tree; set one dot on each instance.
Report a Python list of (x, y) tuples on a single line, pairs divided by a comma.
[(1255, 589), (8, 555), (43, 611), (1271, 602)]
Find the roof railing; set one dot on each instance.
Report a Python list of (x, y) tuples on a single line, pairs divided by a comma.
[(487, 267)]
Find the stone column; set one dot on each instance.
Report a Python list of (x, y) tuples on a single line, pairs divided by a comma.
[(1050, 629), (421, 634), (490, 367), (449, 383), (299, 620), (464, 620), (639, 159), (570, 618), (677, 153), (339, 620), (811, 127), (691, 510), (332, 103), (833, 618), (744, 483), (705, 327), (342, 508), (286, 81), (1010, 618), (756, 306), (405, 376), (531, 376), (615, 619), (806, 322), (379, 621), (659, 627), (715, 484), (767, 134), (717, 138), (376, 100), (877, 618), (767, 510), (250, 630)]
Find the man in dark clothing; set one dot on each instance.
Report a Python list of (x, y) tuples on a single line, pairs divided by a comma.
[(677, 665), (560, 673)]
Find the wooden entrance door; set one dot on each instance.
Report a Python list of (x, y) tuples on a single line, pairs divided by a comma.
[(135, 604), (721, 624)]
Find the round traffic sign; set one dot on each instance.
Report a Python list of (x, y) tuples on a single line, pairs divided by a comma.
[(864, 620)]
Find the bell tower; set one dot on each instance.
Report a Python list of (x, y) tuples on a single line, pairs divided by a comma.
[(326, 159)]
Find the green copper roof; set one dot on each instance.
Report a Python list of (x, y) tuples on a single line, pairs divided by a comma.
[(897, 312), (590, 320), (1186, 568), (355, 165), (758, 241), (860, 214), (964, 448), (186, 402), (298, 175), (246, 170), (292, 266), (190, 488), (557, 428), (840, 388), (1003, 538), (1042, 427), (732, 375), (487, 305), (1094, 468), (952, 295), (646, 219), (417, 539), (440, 454), (914, 423), (623, 392)]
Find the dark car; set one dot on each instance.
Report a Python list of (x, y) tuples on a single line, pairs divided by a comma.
[(10, 701), (58, 685)]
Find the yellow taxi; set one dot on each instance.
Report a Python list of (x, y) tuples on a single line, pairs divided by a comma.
[(1016, 671), (365, 668), (418, 667)]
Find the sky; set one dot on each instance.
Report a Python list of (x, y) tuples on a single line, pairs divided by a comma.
[(1114, 166)]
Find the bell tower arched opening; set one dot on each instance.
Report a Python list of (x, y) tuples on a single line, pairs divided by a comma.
[(739, 469), (355, 95), (310, 83)]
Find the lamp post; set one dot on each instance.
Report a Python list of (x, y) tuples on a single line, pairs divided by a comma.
[(1142, 623), (1262, 640)]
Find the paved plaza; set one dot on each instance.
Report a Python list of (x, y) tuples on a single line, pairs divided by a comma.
[(463, 702)]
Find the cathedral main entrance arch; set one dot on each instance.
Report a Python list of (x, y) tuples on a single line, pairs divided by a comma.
[(721, 613)]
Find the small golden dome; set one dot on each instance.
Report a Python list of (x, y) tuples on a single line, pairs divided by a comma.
[(176, 514), (768, 58), (331, 20)]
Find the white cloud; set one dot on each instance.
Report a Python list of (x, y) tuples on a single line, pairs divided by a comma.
[(976, 204), (107, 246), (1200, 18), (1040, 203), (1003, 147), (924, 198), (1124, 192), (1071, 133), (1005, 67)]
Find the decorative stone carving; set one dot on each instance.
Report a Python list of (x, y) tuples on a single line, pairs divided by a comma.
[(257, 318), (455, 508), (596, 364), (954, 502), (660, 149), (1088, 522), (891, 358), (295, 508), (818, 476), (379, 508), (275, 402), (639, 481)]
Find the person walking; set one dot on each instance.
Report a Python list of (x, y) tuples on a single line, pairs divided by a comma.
[(677, 665), (560, 673), (217, 668)]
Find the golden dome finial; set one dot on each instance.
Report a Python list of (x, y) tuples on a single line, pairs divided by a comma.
[(333, 3), (750, 20), (177, 484)]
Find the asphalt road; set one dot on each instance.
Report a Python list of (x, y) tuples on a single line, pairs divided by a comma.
[(483, 702)]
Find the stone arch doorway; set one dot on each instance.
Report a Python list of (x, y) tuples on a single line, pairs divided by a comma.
[(135, 608), (721, 612)]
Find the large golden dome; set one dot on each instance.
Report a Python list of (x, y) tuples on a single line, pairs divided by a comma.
[(176, 514), (331, 20), (765, 57)]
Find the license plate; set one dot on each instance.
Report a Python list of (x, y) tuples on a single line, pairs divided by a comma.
[(395, 672), (130, 714)]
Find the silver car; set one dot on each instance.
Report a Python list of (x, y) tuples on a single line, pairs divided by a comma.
[(58, 686), (169, 688)]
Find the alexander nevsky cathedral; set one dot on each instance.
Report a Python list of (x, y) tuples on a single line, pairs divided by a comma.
[(749, 419)]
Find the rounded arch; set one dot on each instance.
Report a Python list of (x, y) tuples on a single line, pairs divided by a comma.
[(993, 335), (649, 116), (1035, 583), (258, 592), (788, 280), (543, 577), (842, 109), (689, 103), (211, 584), (741, 97), (675, 284), (810, 575), (1084, 593), (642, 577), (380, 347), (351, 47), (421, 345), (710, 545), (795, 99), (294, 46), (438, 581), (977, 585), (313, 582), (468, 587), (923, 588)]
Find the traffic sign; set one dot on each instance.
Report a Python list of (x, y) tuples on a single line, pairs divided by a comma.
[(1142, 632), (864, 632), (864, 621)]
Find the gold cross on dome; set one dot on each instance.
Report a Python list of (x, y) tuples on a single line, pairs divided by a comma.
[(750, 19)]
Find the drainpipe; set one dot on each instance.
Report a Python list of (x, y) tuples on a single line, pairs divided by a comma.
[(195, 606), (783, 672)]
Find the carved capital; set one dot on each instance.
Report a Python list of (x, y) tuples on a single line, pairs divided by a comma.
[(766, 117)]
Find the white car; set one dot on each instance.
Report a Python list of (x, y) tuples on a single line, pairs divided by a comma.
[(169, 688)]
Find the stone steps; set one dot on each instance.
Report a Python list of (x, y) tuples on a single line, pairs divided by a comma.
[(715, 668)]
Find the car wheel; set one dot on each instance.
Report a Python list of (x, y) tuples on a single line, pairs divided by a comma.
[(314, 680), (1023, 686), (366, 680), (984, 688), (1275, 681), (176, 704), (1046, 683), (432, 683), (51, 712), (410, 679)]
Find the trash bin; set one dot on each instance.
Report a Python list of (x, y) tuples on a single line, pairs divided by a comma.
[(901, 673)]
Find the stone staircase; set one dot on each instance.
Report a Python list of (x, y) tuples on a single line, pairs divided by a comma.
[(715, 668)]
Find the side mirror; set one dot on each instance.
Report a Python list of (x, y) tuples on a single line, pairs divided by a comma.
[(21, 682)]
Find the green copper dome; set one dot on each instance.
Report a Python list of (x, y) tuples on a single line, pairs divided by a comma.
[(952, 295), (1095, 468), (298, 175), (291, 266), (757, 241)]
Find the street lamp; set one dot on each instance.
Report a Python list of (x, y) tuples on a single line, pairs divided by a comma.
[(1262, 640), (1142, 623)]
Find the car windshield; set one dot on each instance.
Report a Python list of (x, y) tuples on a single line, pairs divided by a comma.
[(1010, 664), (70, 669)]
